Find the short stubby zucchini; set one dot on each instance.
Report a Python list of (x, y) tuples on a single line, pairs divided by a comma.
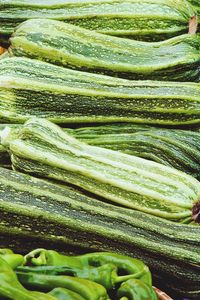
[(176, 59), (30, 88), (44, 149), (145, 20)]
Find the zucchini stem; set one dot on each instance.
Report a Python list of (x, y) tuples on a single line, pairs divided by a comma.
[(196, 212)]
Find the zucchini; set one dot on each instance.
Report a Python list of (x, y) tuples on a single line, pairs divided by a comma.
[(44, 149), (32, 209), (146, 20), (171, 147), (176, 59), (196, 6), (30, 88), (175, 148)]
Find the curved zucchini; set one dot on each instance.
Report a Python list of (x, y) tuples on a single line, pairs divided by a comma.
[(176, 59), (146, 20), (30, 88), (35, 212), (45, 149)]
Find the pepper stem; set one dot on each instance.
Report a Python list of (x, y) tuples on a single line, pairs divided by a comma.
[(196, 212)]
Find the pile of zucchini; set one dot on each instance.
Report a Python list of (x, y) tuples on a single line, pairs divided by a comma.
[(99, 132)]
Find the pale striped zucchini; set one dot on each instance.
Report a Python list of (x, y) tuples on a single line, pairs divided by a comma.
[(34, 212), (44, 149), (175, 148), (145, 20), (32, 88), (176, 59), (171, 147)]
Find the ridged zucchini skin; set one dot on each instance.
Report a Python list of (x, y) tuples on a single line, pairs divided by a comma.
[(175, 148), (32, 209), (171, 147), (44, 149), (176, 59), (30, 88), (146, 20)]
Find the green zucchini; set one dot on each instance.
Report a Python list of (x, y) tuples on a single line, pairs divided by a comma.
[(171, 147), (44, 149), (196, 6), (175, 148), (33, 210), (30, 88), (176, 59), (146, 20)]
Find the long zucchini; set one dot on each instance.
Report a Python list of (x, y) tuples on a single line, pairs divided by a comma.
[(33, 210), (176, 148), (32, 88), (176, 59), (145, 20), (171, 147), (44, 149)]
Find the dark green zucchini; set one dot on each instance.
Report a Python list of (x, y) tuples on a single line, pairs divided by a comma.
[(33, 210), (176, 59), (44, 149), (31, 88), (146, 20)]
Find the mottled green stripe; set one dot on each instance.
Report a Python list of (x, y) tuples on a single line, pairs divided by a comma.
[(145, 20)]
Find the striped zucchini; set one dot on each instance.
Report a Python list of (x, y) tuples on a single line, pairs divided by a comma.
[(171, 147), (33, 88), (176, 59), (44, 149), (146, 20), (35, 212), (196, 6)]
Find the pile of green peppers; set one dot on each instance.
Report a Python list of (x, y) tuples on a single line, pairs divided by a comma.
[(47, 275)]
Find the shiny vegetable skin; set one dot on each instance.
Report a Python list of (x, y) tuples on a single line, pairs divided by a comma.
[(36, 213), (129, 18), (176, 59), (102, 268), (87, 289), (13, 260), (44, 149), (63, 294), (30, 88), (135, 289), (10, 287)]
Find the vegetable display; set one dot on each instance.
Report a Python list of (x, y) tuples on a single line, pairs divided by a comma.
[(45, 149), (129, 18), (36, 282), (99, 150), (35, 210), (30, 88), (176, 59)]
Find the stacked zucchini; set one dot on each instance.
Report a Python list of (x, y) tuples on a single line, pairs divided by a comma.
[(122, 173)]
